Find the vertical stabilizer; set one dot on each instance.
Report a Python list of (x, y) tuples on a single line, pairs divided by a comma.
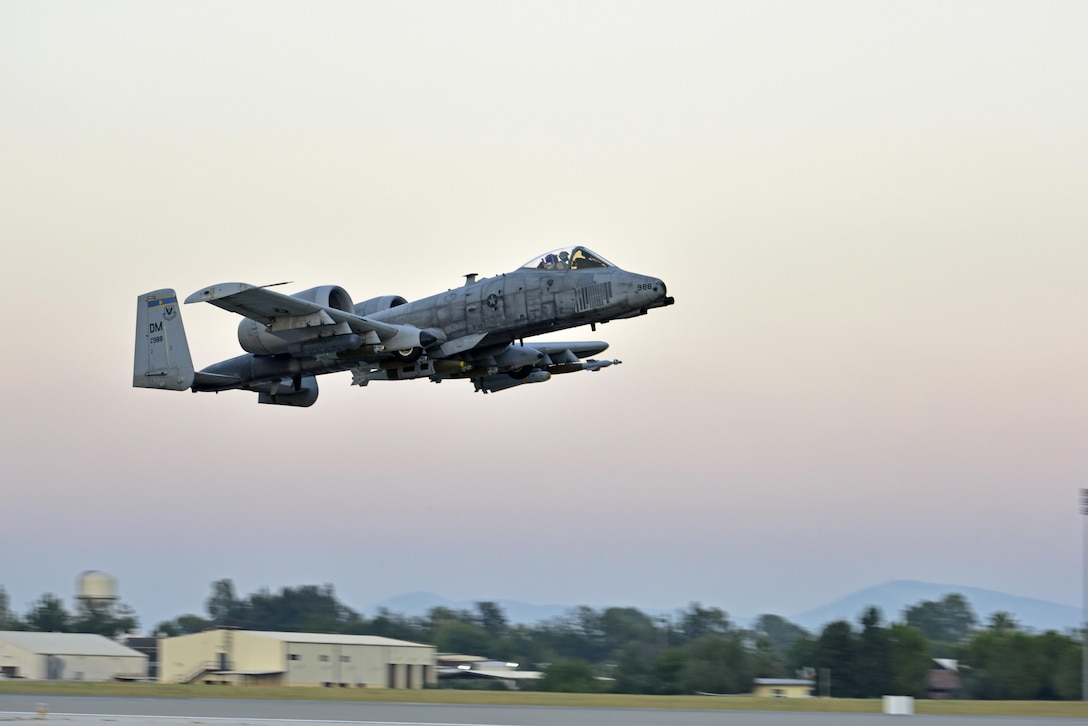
[(162, 353)]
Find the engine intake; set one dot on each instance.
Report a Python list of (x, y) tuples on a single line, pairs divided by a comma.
[(255, 339), (330, 296), (377, 304)]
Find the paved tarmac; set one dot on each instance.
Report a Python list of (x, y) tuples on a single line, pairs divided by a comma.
[(118, 711)]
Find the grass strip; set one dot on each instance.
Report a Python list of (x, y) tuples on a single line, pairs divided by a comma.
[(1058, 709)]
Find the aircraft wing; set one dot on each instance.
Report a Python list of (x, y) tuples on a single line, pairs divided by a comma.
[(253, 302), (554, 359), (284, 312)]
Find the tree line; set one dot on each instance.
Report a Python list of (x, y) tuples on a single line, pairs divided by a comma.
[(48, 614), (622, 649)]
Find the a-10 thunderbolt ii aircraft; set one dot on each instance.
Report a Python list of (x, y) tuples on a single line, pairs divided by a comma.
[(476, 331)]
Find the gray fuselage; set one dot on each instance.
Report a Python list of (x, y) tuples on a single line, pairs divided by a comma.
[(496, 310)]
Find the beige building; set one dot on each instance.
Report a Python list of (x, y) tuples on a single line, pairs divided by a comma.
[(241, 657), (68, 657), (783, 687)]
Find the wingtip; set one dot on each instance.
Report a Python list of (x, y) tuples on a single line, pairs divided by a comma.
[(216, 292)]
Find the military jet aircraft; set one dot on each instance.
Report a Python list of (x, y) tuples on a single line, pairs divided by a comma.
[(476, 331)]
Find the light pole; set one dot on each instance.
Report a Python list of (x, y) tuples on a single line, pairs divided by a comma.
[(1084, 585), (664, 622)]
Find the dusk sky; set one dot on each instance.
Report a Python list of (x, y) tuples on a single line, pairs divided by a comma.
[(873, 217)]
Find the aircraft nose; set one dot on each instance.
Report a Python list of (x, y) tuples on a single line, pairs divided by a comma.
[(647, 292), (660, 292)]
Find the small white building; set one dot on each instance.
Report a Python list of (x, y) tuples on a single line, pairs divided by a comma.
[(239, 657), (67, 657), (783, 687)]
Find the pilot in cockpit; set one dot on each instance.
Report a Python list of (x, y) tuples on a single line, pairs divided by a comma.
[(568, 258), (583, 260)]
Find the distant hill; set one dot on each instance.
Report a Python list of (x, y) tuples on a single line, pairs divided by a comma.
[(891, 597), (896, 596)]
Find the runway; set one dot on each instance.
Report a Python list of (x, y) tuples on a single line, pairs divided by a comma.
[(117, 711)]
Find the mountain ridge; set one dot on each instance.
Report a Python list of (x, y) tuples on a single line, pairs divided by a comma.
[(892, 597), (895, 596)]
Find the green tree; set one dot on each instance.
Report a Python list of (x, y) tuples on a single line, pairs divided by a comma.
[(307, 608), (48, 615), (836, 654), (620, 626), (697, 621), (588, 629), (223, 606), (633, 671), (440, 615), (394, 625), (455, 636), (168, 629), (104, 620), (575, 634), (948, 620), (781, 633), (1061, 656), (491, 618), (802, 653), (766, 662), (668, 672), (715, 663), (184, 625), (193, 624), (874, 649), (1002, 622), (570, 675), (1017, 665), (519, 645), (910, 660), (8, 619)]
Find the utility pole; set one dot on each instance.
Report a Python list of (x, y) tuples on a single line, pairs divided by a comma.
[(1084, 585)]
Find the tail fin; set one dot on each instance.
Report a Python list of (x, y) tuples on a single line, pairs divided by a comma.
[(162, 353)]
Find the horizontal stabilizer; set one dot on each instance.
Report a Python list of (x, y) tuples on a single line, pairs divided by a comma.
[(203, 381)]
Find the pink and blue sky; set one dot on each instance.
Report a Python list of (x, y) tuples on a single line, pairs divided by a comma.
[(872, 215)]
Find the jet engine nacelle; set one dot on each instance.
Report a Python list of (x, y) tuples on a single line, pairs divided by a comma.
[(330, 296), (254, 339), (377, 304)]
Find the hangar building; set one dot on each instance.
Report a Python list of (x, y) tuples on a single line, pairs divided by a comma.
[(68, 657), (239, 657), (783, 687)]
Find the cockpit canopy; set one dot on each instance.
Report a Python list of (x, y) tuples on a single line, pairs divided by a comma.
[(567, 258)]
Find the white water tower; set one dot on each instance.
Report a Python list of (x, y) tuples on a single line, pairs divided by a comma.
[(96, 590)]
